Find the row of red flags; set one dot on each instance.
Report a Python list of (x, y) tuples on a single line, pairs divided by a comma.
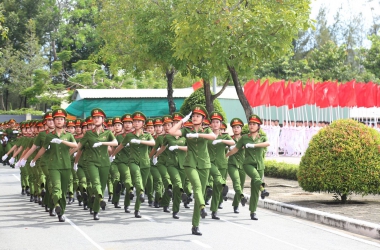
[(322, 94)]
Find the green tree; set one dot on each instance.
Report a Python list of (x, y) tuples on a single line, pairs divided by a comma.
[(234, 36), (372, 60), (138, 38), (3, 29)]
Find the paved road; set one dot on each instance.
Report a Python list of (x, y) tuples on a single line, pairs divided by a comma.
[(24, 225)]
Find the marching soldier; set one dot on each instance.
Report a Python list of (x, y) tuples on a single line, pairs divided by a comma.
[(254, 145)]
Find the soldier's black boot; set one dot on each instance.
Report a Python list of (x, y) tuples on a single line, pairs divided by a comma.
[(175, 215), (96, 216), (195, 231), (214, 216), (186, 205), (220, 205), (103, 205), (166, 210), (58, 209), (243, 201), (225, 192), (23, 191), (150, 203), (142, 197), (91, 212), (169, 192), (61, 218), (264, 194), (137, 214), (156, 204), (126, 209), (203, 213), (236, 210), (46, 208), (117, 205), (110, 198), (131, 196), (52, 212), (253, 216)]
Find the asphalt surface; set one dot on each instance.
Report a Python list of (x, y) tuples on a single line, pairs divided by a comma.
[(25, 225)]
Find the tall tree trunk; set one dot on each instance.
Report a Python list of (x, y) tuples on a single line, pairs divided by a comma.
[(243, 100), (208, 96), (170, 78), (25, 102), (6, 99)]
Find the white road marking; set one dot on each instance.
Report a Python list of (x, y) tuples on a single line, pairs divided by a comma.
[(149, 218), (201, 244), (84, 234), (266, 235), (16, 176)]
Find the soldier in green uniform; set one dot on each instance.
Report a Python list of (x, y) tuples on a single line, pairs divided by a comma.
[(114, 171), (81, 184), (138, 162), (197, 162), (59, 143), (175, 149), (98, 162), (254, 145), (159, 163), (217, 150), (110, 126), (37, 144), (154, 183), (235, 166), (73, 183), (121, 161)]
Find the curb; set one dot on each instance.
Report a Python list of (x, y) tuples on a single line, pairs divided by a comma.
[(364, 228)]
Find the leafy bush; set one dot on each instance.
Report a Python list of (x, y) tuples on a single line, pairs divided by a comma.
[(198, 97), (281, 170), (342, 158)]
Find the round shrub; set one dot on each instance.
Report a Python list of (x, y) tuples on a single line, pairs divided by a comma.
[(198, 97), (342, 158)]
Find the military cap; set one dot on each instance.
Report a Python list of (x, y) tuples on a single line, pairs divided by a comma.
[(109, 121), (27, 125), (177, 116), (199, 109), (149, 122), (157, 121), (167, 119), (188, 124), (48, 115), (12, 121), (59, 113), (215, 115), (223, 125), (78, 122), (255, 119), (127, 118), (138, 115), (236, 121), (116, 119), (40, 123), (206, 121), (98, 112), (89, 120), (70, 123), (83, 123)]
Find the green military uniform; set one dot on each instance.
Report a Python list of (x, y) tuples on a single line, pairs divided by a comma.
[(113, 169), (253, 163), (197, 165), (235, 169), (165, 201), (174, 163), (138, 162), (98, 162)]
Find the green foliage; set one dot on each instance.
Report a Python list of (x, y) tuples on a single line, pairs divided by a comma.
[(342, 158), (372, 61), (22, 111), (281, 170), (198, 97)]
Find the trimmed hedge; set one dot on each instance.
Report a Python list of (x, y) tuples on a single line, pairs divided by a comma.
[(281, 170), (22, 111)]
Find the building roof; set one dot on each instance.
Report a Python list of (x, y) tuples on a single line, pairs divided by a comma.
[(79, 94)]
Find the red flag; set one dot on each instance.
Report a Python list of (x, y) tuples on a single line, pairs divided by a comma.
[(347, 95), (262, 96), (378, 95), (332, 94), (297, 92), (308, 93), (360, 94), (198, 85), (288, 98), (370, 91), (321, 99), (250, 90), (276, 93)]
